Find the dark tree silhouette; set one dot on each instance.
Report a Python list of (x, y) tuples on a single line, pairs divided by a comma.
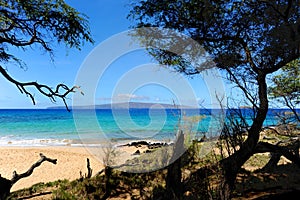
[(249, 40), (33, 23), (7, 184)]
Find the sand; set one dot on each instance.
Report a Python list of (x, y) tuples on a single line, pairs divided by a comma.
[(70, 161)]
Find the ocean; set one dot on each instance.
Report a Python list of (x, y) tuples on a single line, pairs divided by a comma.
[(51, 127)]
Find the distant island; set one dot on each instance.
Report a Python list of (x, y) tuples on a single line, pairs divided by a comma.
[(126, 105)]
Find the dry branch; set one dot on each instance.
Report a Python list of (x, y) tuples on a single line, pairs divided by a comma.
[(61, 91), (43, 158), (6, 184)]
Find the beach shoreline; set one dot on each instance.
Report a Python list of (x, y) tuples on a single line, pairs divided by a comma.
[(70, 161)]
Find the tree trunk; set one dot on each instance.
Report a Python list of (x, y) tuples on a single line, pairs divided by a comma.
[(108, 186), (232, 164), (275, 157), (174, 185), (5, 186)]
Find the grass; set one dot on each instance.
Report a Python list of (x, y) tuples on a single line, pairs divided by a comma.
[(39, 189), (250, 184), (121, 183)]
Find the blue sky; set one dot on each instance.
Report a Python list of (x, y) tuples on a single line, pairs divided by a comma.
[(107, 18)]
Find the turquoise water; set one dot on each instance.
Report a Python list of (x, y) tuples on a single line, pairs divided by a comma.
[(36, 127)]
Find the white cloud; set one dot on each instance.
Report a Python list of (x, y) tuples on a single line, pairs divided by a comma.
[(125, 97), (131, 97)]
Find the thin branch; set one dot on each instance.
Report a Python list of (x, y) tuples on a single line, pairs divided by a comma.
[(43, 89), (287, 11), (249, 57), (291, 107), (243, 88), (11, 26), (272, 129)]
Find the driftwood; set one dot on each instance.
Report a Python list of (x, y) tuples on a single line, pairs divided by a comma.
[(6, 184)]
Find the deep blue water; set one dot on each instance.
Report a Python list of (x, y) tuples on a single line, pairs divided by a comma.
[(60, 127)]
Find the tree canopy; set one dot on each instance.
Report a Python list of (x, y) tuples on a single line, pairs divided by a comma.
[(286, 86), (247, 39), (39, 23), (253, 35)]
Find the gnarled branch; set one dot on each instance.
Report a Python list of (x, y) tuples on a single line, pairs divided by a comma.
[(43, 89), (6, 184), (43, 158), (291, 151)]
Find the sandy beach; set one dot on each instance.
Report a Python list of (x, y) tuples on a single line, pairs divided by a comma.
[(70, 161)]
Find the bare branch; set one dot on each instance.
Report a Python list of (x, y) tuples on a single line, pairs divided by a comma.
[(43, 158), (242, 87), (43, 89)]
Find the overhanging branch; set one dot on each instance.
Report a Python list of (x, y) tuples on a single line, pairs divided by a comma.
[(43, 89)]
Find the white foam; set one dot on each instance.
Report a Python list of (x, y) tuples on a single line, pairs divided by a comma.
[(33, 142)]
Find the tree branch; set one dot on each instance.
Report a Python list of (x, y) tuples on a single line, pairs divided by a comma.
[(291, 107), (243, 88), (274, 8), (43, 89), (43, 158), (286, 151)]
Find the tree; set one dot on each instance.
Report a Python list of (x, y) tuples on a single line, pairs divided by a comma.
[(33, 23), (249, 40), (286, 88)]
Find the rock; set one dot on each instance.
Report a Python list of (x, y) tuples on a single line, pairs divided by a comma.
[(137, 152)]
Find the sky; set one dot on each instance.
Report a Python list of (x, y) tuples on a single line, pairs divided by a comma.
[(132, 75)]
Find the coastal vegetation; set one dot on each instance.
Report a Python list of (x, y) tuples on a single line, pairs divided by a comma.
[(200, 179), (249, 41), (39, 24)]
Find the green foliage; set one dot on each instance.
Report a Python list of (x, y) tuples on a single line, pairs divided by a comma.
[(25, 23), (286, 85), (245, 36), (28, 191), (39, 23), (37, 188), (202, 179), (121, 183), (247, 39)]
